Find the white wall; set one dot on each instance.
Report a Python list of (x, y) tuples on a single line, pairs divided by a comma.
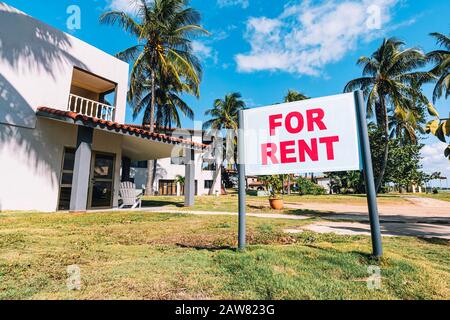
[(36, 65), (30, 164)]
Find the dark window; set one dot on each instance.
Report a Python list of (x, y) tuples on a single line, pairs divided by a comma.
[(139, 164), (208, 184), (66, 179), (209, 166)]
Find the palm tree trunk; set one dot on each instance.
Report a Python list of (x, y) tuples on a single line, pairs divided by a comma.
[(151, 167), (379, 179), (289, 185)]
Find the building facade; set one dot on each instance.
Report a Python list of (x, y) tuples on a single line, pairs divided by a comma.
[(63, 144)]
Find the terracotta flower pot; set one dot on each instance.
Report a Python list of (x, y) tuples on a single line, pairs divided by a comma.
[(276, 204)]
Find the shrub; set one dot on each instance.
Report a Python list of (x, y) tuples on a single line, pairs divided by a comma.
[(307, 187)]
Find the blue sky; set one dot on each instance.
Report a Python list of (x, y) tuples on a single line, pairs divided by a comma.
[(263, 48)]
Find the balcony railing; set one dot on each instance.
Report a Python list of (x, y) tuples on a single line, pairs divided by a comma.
[(91, 108)]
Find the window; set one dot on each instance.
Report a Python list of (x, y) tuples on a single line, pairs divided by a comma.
[(139, 164), (65, 190), (209, 166), (167, 188), (208, 184)]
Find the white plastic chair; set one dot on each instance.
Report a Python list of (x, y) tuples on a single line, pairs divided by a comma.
[(130, 196)]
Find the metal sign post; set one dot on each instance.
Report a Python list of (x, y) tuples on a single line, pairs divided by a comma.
[(242, 184), (368, 175)]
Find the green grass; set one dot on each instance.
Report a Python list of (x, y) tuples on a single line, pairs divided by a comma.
[(229, 203), (166, 256)]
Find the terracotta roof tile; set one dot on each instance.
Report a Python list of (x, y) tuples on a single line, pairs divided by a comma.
[(117, 127)]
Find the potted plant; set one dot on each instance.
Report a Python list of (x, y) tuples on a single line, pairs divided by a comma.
[(274, 184)]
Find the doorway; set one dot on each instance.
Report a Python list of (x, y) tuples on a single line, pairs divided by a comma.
[(101, 183)]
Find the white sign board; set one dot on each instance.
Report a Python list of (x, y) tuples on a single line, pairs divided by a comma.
[(316, 135)]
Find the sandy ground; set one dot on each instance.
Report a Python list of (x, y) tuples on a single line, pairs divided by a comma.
[(416, 207)]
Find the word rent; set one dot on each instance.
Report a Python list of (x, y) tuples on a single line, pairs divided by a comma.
[(298, 150)]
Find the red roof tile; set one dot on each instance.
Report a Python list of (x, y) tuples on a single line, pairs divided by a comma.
[(114, 126)]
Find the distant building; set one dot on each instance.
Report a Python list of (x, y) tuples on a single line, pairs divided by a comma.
[(208, 177)]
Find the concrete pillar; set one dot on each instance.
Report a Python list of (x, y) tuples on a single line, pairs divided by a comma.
[(126, 166), (82, 170), (189, 186)]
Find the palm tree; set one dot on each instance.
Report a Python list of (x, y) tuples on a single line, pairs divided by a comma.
[(181, 181), (386, 83), (225, 112), (442, 68), (224, 115), (163, 29), (168, 102), (293, 96), (405, 124)]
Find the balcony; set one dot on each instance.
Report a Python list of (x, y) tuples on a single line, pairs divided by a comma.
[(90, 108), (92, 96)]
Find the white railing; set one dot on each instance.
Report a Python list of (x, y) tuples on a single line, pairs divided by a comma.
[(90, 108)]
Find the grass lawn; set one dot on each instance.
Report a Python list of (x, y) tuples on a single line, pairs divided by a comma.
[(165, 256), (444, 196), (229, 203)]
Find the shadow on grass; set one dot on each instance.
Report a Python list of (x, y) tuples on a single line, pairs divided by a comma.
[(161, 203), (439, 241), (308, 212), (210, 248)]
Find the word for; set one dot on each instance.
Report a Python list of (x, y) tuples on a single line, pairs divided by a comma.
[(299, 150)]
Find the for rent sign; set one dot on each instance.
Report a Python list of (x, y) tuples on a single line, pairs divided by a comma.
[(316, 135)]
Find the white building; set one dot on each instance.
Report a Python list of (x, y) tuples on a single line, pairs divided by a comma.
[(62, 109), (208, 180)]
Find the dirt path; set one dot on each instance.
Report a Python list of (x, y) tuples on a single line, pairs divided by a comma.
[(387, 229), (357, 224), (416, 207)]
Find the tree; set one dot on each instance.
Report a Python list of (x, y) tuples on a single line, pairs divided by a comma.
[(168, 104), (439, 128), (224, 115), (404, 168), (441, 70), (386, 83), (163, 29), (406, 124), (273, 184), (293, 96)]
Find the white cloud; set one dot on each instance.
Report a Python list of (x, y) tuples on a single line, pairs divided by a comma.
[(128, 6), (227, 3), (308, 36), (203, 51), (434, 159)]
